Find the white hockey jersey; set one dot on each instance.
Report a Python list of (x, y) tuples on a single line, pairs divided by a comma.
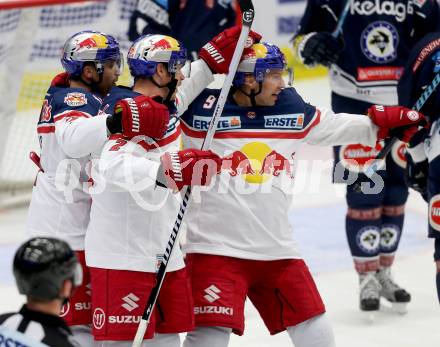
[(68, 131), (245, 213), (131, 217)]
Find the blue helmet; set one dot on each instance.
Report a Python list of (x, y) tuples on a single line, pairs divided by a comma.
[(149, 50), (258, 60), (89, 46)]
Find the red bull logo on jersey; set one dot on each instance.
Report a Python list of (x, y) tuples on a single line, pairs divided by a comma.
[(202, 123), (434, 212), (256, 163), (285, 121)]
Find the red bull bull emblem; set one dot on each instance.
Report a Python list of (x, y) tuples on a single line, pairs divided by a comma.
[(162, 44), (87, 43), (256, 162)]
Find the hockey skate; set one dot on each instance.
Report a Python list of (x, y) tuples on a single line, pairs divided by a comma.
[(369, 298), (391, 291)]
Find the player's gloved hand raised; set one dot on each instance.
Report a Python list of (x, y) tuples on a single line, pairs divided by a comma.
[(416, 172), (396, 121), (140, 115), (218, 52), (61, 80), (320, 48), (190, 167)]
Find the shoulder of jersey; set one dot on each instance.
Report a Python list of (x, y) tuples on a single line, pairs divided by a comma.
[(74, 97), (117, 93)]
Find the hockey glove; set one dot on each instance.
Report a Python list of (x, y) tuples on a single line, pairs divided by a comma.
[(190, 167), (61, 80), (396, 121), (218, 52), (140, 115), (416, 173), (320, 48)]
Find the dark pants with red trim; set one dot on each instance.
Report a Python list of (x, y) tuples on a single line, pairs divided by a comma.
[(374, 221)]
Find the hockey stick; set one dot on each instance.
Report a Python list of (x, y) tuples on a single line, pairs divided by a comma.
[(341, 19), (417, 106), (247, 10)]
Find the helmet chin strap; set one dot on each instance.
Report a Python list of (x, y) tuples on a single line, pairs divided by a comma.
[(94, 85), (253, 94), (171, 85)]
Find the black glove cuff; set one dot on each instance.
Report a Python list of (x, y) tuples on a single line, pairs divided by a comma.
[(114, 122)]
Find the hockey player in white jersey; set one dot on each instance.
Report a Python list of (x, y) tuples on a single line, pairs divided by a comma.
[(239, 240), (133, 211), (69, 129)]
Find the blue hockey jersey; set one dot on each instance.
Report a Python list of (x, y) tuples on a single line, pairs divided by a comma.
[(378, 37)]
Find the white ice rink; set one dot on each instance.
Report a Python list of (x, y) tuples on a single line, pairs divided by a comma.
[(318, 223)]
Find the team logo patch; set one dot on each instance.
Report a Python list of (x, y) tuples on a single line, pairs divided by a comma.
[(413, 116), (65, 310), (398, 154), (288, 121), (434, 212), (251, 115), (368, 239), (224, 123), (98, 318), (356, 157), (389, 234), (75, 99), (379, 42)]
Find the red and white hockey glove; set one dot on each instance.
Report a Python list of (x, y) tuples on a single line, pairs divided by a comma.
[(61, 80), (140, 115), (396, 121), (218, 52), (190, 167)]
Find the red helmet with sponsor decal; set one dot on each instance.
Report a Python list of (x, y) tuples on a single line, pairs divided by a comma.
[(89, 46)]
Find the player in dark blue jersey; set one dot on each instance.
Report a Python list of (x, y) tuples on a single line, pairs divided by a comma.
[(366, 60), (424, 161), (191, 22)]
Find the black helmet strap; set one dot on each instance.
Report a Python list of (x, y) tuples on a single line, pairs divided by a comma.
[(253, 94)]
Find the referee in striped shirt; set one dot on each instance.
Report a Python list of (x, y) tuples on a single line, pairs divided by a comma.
[(46, 271)]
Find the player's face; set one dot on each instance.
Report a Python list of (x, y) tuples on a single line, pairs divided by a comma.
[(273, 83), (112, 70), (179, 77)]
